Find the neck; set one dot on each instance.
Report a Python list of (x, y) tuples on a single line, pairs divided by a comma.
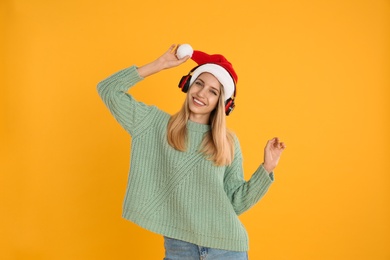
[(201, 119)]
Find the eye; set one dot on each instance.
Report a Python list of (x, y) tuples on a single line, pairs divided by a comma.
[(214, 92)]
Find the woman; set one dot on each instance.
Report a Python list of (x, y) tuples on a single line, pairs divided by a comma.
[(186, 178)]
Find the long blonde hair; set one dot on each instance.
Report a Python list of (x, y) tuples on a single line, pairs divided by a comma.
[(217, 144)]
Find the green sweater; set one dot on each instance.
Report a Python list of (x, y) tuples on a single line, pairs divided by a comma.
[(181, 195)]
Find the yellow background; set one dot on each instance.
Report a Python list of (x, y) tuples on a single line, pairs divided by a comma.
[(314, 73)]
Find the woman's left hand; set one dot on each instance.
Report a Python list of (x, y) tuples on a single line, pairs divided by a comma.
[(272, 152)]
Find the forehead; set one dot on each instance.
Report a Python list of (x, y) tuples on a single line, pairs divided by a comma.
[(210, 79)]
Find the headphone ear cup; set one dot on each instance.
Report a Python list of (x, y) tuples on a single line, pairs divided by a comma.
[(184, 83), (229, 106)]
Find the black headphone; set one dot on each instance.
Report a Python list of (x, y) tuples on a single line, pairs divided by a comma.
[(184, 85)]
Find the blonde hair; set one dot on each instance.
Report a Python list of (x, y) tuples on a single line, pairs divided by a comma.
[(217, 144)]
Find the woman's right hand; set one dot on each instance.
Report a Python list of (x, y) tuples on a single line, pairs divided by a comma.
[(169, 58), (166, 61)]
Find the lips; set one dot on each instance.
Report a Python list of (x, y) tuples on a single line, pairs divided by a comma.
[(198, 102)]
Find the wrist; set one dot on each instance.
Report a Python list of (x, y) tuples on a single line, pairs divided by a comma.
[(268, 168), (150, 68)]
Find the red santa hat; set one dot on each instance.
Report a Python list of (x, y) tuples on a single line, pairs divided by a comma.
[(217, 65)]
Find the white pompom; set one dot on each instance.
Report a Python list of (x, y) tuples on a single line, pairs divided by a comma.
[(184, 50)]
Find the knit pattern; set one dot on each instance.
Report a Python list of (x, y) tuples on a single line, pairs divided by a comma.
[(177, 194)]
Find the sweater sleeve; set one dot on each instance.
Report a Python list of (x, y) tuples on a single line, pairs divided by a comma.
[(244, 194), (125, 109)]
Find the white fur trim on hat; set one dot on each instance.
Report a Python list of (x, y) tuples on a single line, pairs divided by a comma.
[(220, 73)]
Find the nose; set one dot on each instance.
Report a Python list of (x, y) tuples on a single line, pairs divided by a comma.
[(201, 92)]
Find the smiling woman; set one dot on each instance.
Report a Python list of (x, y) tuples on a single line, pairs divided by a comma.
[(187, 180), (214, 74), (314, 72), (203, 97)]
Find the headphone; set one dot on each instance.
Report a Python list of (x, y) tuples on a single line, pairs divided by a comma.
[(184, 85)]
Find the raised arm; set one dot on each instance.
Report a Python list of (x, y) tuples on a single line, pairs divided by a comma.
[(166, 61), (113, 90), (244, 194)]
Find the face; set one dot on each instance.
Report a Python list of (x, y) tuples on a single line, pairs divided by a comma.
[(202, 97)]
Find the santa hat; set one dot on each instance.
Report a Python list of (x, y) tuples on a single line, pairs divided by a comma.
[(217, 65)]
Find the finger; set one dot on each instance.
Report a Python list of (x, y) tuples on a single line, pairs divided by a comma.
[(275, 142), (182, 60), (185, 58), (281, 146), (173, 48), (269, 143)]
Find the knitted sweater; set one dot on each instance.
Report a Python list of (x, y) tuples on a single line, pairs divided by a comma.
[(181, 195)]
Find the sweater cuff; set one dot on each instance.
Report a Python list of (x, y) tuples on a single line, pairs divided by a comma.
[(130, 76), (135, 69), (270, 175)]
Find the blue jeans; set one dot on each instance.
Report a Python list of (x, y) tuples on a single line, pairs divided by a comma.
[(181, 250)]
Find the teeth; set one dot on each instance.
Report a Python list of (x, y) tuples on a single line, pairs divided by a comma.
[(198, 102)]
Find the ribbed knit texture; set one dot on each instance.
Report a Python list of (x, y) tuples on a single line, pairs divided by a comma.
[(181, 195)]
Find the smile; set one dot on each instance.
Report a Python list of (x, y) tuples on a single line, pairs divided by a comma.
[(200, 103)]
